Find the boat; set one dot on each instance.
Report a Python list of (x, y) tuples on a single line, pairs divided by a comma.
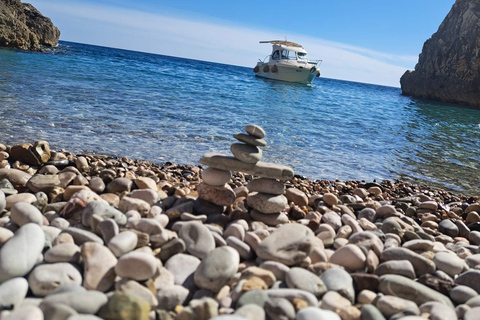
[(287, 62)]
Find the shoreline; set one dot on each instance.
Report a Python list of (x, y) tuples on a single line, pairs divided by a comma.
[(159, 240)]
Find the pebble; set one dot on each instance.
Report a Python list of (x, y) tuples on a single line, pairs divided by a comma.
[(266, 185), (217, 268), (449, 263), (47, 277), (123, 242), (390, 305), (13, 292), (421, 264), (400, 267), (216, 177), (246, 152), (136, 265), (98, 264), (408, 289), (350, 256), (29, 240), (267, 203), (255, 131), (198, 239), (289, 244), (182, 267), (339, 280), (299, 278), (313, 313)]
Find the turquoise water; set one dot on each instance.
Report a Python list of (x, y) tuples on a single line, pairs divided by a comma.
[(100, 100)]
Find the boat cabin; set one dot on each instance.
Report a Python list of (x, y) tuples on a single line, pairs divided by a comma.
[(281, 52)]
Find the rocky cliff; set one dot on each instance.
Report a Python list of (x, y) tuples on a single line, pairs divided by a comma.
[(448, 67), (24, 27)]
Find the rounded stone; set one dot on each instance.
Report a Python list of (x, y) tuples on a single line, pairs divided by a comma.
[(279, 308), (63, 252), (246, 152), (251, 140), (267, 203), (299, 278), (123, 242), (266, 185), (461, 294), (221, 196), (13, 292), (103, 210), (217, 268), (46, 278), (98, 264), (256, 131), (313, 313), (216, 177), (330, 199), (182, 266), (409, 289), (289, 244), (135, 265), (400, 267), (119, 185), (21, 252), (449, 263), (390, 305), (296, 196), (171, 296), (448, 227), (350, 256), (198, 239), (271, 219), (339, 280), (23, 213)]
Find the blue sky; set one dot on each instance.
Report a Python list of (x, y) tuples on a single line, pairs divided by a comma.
[(370, 41)]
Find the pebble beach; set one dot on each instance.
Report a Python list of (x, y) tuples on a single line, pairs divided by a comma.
[(97, 237)]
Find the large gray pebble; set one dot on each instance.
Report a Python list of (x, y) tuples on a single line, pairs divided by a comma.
[(339, 280), (136, 265), (217, 268), (63, 252), (46, 278), (409, 289), (123, 242), (13, 292), (19, 254), (299, 278), (314, 313), (171, 296), (198, 239), (182, 266), (104, 210), (289, 244), (88, 302), (23, 213)]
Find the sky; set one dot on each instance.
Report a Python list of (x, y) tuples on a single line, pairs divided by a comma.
[(370, 41)]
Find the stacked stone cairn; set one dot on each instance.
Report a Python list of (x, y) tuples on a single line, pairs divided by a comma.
[(265, 195)]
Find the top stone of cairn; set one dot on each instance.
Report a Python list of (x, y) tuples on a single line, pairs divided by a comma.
[(255, 131)]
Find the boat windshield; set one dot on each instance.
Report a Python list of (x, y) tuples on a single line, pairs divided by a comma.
[(290, 55), (302, 56)]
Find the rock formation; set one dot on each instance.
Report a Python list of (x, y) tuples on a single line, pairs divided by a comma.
[(448, 67), (24, 27)]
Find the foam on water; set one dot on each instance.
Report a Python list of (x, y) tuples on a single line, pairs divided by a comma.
[(93, 99)]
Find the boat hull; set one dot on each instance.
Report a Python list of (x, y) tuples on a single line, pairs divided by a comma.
[(297, 74)]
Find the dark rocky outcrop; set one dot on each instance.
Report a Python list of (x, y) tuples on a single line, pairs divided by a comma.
[(448, 67), (24, 27)]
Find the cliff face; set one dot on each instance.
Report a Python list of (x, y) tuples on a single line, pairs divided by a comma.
[(448, 67), (24, 27)]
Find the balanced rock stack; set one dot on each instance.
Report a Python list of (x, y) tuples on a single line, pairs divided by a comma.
[(266, 193)]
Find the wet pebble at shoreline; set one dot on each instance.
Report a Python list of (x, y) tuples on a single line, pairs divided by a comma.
[(94, 237)]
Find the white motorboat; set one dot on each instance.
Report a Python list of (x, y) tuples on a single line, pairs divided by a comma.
[(287, 62)]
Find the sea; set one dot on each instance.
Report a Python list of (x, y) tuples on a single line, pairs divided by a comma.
[(98, 100)]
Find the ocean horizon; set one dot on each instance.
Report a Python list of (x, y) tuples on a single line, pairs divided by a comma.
[(100, 100)]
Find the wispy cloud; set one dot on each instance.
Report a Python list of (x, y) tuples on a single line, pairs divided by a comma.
[(213, 41)]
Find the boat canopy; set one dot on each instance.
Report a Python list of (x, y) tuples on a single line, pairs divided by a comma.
[(285, 45)]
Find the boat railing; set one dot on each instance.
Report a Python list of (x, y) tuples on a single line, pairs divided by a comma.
[(315, 62)]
